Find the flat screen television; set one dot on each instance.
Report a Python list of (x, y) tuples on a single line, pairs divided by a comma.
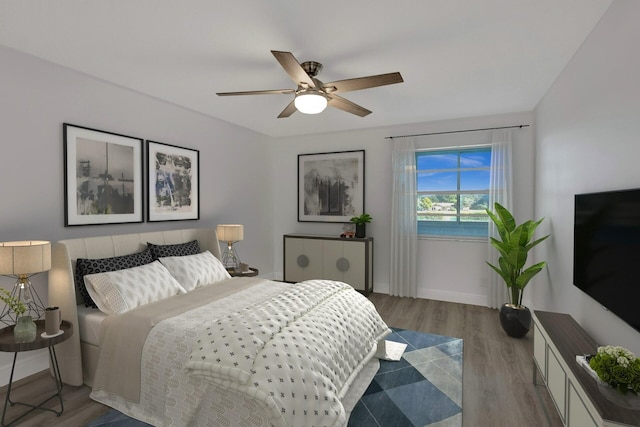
[(606, 251)]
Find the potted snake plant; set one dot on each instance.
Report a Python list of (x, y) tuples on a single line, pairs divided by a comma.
[(514, 245)]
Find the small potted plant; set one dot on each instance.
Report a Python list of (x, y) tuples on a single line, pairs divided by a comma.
[(361, 224), (25, 329)]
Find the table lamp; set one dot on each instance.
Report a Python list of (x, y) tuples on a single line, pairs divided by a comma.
[(230, 233), (21, 260)]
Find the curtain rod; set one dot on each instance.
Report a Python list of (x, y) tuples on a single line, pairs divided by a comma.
[(456, 131)]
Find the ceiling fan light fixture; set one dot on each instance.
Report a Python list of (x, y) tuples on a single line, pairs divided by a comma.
[(312, 96), (310, 102)]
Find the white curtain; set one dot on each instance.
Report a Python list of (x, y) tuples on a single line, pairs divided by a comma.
[(501, 191), (404, 222)]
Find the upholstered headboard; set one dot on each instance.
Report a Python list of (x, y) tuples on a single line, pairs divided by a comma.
[(62, 292)]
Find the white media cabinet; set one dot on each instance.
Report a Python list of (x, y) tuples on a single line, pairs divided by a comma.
[(557, 340), (348, 260)]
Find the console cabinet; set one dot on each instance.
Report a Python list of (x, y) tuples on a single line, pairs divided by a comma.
[(334, 258), (558, 339)]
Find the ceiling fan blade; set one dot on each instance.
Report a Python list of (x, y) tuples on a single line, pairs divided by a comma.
[(293, 68), (363, 82), (288, 110), (348, 106), (258, 92)]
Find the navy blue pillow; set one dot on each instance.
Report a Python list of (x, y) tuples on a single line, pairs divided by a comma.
[(86, 266), (180, 249)]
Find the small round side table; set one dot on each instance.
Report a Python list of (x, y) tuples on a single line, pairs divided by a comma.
[(9, 344), (251, 273)]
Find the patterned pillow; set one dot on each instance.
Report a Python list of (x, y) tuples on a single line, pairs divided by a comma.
[(194, 271), (123, 290), (86, 266), (180, 249)]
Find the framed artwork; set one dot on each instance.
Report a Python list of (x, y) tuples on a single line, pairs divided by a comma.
[(330, 186), (174, 182), (102, 177)]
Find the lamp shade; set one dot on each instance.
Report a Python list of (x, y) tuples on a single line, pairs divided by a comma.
[(230, 232), (310, 102), (25, 257)]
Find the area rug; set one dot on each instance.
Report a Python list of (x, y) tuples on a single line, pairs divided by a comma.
[(423, 388)]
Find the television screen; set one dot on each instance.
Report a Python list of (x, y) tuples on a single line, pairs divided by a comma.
[(606, 251)]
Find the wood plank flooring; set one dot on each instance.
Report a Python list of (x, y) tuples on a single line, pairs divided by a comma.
[(498, 385)]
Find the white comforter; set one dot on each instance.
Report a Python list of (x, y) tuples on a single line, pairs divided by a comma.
[(171, 396), (296, 352)]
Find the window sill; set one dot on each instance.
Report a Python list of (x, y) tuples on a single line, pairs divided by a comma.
[(454, 238)]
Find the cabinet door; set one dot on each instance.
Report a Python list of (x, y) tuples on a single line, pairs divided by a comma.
[(557, 382), (333, 264), (540, 351), (303, 259), (345, 261), (578, 415), (354, 252)]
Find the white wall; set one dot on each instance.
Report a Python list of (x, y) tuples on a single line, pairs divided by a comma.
[(36, 97), (585, 133), (440, 274), (587, 140)]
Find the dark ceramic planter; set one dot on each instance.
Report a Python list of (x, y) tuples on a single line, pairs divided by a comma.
[(361, 230), (515, 320)]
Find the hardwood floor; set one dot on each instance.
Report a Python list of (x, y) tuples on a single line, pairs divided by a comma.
[(498, 385)]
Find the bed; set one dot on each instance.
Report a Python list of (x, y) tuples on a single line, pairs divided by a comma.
[(233, 351)]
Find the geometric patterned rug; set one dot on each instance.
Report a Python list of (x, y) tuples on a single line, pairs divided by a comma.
[(424, 388)]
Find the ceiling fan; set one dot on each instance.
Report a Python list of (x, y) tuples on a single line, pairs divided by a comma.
[(312, 95)]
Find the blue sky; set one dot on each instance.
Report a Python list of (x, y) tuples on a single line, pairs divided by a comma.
[(447, 181)]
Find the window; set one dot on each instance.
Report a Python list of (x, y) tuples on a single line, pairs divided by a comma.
[(453, 192)]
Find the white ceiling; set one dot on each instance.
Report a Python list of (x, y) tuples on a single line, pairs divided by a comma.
[(459, 58)]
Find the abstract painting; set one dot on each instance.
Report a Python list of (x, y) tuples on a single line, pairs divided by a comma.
[(103, 177), (330, 186), (173, 176)]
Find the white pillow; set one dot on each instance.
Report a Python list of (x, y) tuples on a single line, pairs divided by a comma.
[(194, 271), (123, 290)]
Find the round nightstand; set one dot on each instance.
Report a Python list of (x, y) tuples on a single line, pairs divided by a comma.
[(251, 273), (8, 344)]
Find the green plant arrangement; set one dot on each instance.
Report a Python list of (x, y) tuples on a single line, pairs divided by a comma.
[(514, 246), (14, 304), (361, 224), (617, 367), (25, 329), (362, 219)]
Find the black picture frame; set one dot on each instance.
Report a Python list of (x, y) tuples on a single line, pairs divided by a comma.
[(331, 186), (173, 177), (103, 178)]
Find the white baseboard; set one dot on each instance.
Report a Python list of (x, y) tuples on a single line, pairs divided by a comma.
[(439, 295), (27, 363), (381, 288), (459, 297)]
